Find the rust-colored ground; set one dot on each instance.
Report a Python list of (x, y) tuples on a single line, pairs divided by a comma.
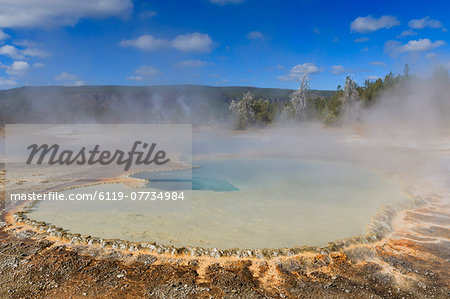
[(411, 263)]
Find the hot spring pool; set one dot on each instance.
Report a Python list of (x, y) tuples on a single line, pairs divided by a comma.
[(244, 203)]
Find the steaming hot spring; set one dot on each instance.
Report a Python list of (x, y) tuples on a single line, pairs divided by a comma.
[(238, 203)]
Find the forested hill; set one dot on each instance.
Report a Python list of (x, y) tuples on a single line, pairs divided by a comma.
[(177, 103)]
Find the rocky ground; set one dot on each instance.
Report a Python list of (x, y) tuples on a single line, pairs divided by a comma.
[(411, 261), (409, 264)]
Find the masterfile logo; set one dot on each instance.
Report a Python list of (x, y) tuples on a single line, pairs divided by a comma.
[(95, 156), (105, 162)]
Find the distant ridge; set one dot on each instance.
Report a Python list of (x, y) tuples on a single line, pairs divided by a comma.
[(125, 103)]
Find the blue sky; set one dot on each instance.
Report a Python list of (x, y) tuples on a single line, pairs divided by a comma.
[(218, 42)]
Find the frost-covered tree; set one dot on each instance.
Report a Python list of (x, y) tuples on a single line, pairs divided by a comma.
[(243, 110), (299, 98), (350, 99)]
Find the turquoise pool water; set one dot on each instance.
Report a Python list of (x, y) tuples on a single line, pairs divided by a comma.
[(200, 178), (245, 203)]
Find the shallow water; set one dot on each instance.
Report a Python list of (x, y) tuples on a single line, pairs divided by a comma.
[(245, 203)]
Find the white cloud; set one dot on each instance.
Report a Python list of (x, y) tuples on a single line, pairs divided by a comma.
[(146, 71), (423, 23), (145, 42), (3, 35), (69, 79), (25, 43), (372, 78), (255, 35), (338, 69), (378, 63), (7, 82), (147, 14), (392, 47), (408, 32), (299, 70), (431, 55), (35, 52), (38, 65), (191, 42), (361, 40), (18, 68), (143, 73), (135, 78), (11, 52), (64, 76), (78, 83), (32, 13), (16, 53), (192, 63), (223, 2), (370, 24), (423, 44), (420, 45)]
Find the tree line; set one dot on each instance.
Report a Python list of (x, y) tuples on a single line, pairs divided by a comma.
[(345, 104)]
